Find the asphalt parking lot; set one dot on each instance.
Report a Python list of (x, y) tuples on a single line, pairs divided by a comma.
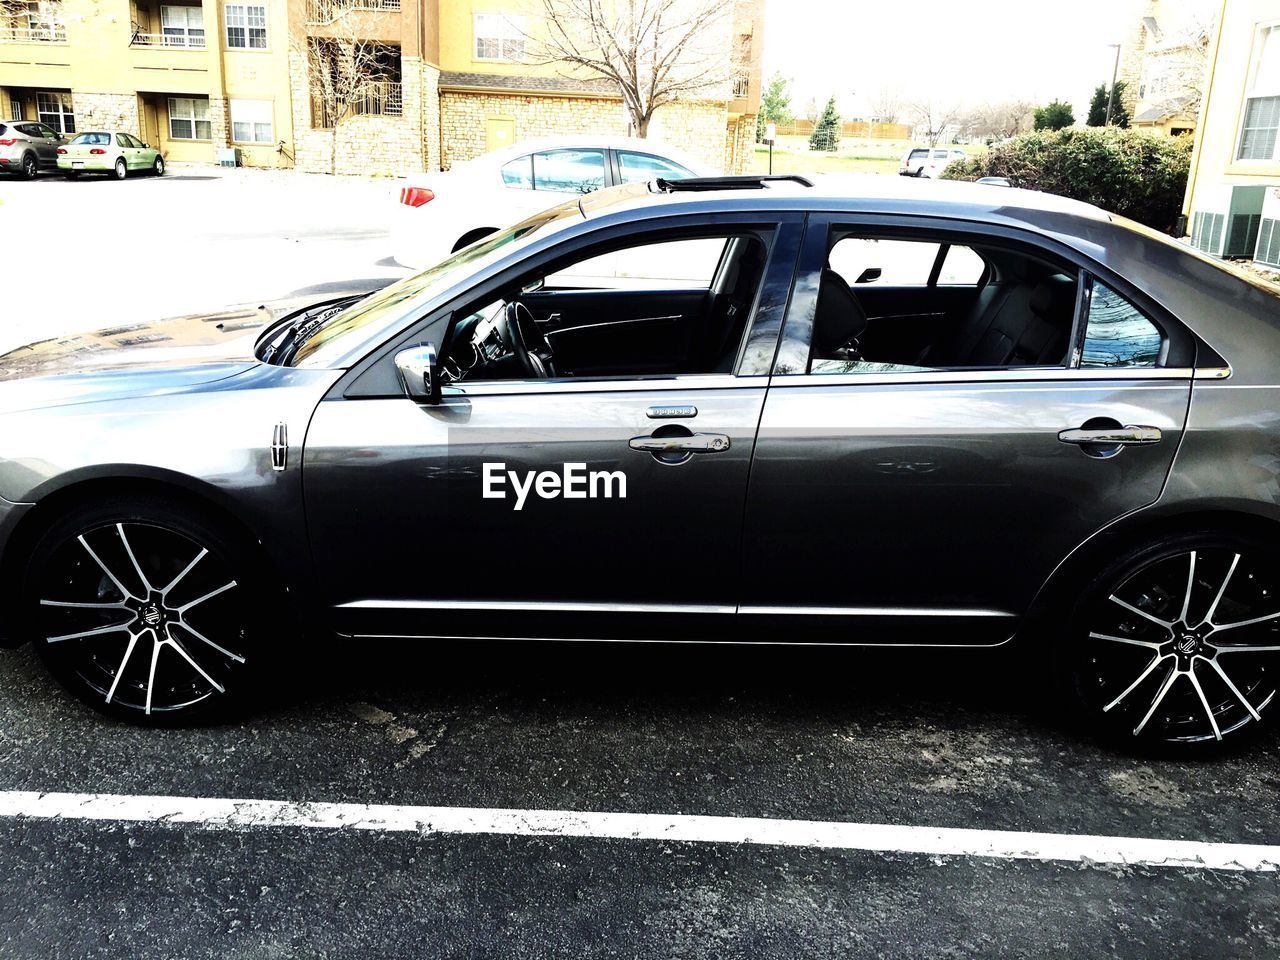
[(801, 734), (653, 801)]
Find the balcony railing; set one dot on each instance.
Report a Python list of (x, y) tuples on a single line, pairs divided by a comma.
[(327, 11), (383, 98), (167, 40), (41, 33), (741, 87)]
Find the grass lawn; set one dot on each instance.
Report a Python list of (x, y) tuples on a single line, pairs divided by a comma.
[(792, 155)]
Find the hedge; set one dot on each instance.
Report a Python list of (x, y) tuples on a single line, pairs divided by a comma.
[(1138, 175)]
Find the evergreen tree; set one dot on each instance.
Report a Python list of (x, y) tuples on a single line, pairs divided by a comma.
[(826, 133), (1054, 116), (775, 104), (1098, 107)]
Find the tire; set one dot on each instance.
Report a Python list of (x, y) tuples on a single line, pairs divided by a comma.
[(30, 166), (72, 175), (149, 611), (1175, 648), (121, 169), (158, 168)]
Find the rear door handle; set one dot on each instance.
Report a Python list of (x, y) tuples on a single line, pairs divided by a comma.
[(692, 443), (1127, 436)]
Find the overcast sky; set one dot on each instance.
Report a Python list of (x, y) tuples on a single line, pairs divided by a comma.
[(968, 51)]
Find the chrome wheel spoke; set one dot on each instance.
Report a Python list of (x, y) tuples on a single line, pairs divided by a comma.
[(194, 666), (146, 584), (1150, 645), (1191, 580), (1243, 648), (1195, 682), (151, 676), (1155, 662), (1219, 627), (107, 570), (203, 639), (164, 591), (95, 632), (1164, 689), (1213, 608), (1232, 687), (1142, 613), (208, 596), (128, 652), (118, 605)]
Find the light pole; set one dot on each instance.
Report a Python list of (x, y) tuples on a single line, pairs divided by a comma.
[(770, 134), (1115, 72)]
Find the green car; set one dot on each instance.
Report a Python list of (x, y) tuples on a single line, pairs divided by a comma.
[(106, 151)]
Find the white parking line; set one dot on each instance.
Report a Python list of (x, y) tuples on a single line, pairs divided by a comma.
[(818, 834)]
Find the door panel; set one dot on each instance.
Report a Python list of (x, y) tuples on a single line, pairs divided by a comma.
[(408, 545), (933, 512)]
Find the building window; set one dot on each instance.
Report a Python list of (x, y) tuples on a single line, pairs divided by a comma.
[(247, 26), (189, 119), (54, 110), (1262, 103), (15, 109), (499, 37), (251, 121), (182, 26)]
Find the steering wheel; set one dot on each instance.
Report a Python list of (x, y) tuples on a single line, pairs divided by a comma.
[(527, 343)]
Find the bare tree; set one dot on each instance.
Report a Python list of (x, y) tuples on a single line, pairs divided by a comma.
[(886, 105), (933, 120), (656, 51), (347, 74), (998, 121)]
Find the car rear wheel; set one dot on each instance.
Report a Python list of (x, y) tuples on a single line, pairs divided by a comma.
[(1177, 646), (29, 166), (158, 169), (146, 611), (121, 169)]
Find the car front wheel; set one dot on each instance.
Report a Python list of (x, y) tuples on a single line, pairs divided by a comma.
[(158, 169), (121, 169), (1177, 646), (147, 611)]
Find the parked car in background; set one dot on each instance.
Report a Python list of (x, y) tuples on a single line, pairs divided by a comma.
[(113, 152), (928, 161), (438, 213), (27, 147), (995, 181)]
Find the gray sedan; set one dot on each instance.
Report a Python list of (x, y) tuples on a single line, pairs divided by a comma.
[(737, 409)]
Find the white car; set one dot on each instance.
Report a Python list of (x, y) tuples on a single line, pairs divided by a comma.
[(928, 161), (438, 213)]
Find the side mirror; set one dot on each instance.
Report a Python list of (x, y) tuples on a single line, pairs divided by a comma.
[(869, 275), (416, 367)]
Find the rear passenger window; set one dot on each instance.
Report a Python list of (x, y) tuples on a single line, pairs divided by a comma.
[(962, 267), (518, 173), (901, 263), (1117, 333)]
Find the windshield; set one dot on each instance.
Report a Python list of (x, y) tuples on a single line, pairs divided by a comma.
[(346, 336)]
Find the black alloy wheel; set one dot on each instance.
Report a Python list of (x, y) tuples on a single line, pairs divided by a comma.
[(147, 614), (1179, 646)]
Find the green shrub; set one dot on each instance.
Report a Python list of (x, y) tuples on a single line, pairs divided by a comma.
[(1138, 175)]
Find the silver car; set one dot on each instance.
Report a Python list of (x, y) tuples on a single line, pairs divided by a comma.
[(27, 147), (843, 413)]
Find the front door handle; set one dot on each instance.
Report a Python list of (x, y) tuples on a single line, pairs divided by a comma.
[(1127, 436), (688, 443)]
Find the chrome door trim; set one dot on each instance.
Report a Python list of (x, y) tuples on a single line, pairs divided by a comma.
[(721, 643), (551, 606), (878, 612), (634, 385), (1025, 375), (1212, 373)]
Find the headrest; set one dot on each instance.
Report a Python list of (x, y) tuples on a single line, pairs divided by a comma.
[(839, 317), (1054, 299)]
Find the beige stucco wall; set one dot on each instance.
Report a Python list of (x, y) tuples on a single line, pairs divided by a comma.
[(1214, 160)]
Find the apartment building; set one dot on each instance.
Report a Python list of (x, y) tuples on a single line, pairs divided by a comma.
[(1232, 203), (1165, 62), (453, 80)]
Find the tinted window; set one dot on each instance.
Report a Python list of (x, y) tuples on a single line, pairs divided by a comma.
[(122, 140), (902, 263), (569, 171), (92, 139), (940, 154), (134, 141), (1118, 335), (518, 173), (30, 129), (644, 166)]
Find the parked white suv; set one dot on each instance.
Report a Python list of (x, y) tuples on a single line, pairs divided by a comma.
[(928, 161), (437, 213)]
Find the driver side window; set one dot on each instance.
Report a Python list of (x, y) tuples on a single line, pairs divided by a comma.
[(674, 307)]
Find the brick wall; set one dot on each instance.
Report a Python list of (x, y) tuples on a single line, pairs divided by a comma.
[(697, 128), (105, 110), (739, 144)]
